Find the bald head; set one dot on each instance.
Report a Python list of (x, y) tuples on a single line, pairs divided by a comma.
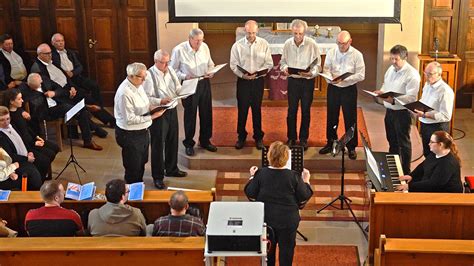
[(344, 41), (251, 30)]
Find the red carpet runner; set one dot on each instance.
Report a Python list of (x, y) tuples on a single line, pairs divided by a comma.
[(230, 185), (274, 126)]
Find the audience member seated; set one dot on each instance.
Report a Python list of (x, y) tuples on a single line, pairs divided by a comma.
[(10, 170), (116, 218), (14, 62), (52, 219), (178, 223), (69, 63), (19, 120), (440, 171), (12, 143)]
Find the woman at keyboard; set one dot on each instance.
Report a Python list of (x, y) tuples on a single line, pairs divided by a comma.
[(441, 170)]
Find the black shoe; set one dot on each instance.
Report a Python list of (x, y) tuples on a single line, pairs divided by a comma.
[(352, 154), (189, 151), (326, 149), (209, 147), (239, 144), (304, 144), (100, 132), (159, 184), (178, 173), (259, 144), (291, 142)]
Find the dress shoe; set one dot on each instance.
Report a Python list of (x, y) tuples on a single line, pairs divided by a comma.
[(189, 151), (100, 132), (178, 173), (209, 147), (239, 144), (326, 149), (304, 144), (291, 142), (259, 144), (159, 184), (352, 154), (93, 146)]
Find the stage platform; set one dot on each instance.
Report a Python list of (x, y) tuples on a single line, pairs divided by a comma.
[(229, 159)]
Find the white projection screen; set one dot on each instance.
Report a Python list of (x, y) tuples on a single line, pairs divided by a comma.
[(349, 11)]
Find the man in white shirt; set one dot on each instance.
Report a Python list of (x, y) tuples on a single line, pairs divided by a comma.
[(55, 85), (300, 52), (252, 54), (343, 93), (402, 78), (438, 95), (162, 86), (133, 118), (13, 64), (192, 59)]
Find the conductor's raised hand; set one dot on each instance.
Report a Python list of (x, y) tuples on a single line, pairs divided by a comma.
[(253, 170), (305, 175)]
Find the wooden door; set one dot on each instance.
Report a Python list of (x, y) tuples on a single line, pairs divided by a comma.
[(466, 47)]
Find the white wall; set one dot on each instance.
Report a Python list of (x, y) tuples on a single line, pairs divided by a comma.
[(171, 34), (410, 37)]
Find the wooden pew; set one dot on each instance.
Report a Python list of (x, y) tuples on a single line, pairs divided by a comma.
[(153, 205), (102, 251), (411, 251), (420, 215)]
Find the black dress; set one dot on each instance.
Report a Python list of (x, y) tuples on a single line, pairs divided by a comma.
[(283, 192), (437, 175)]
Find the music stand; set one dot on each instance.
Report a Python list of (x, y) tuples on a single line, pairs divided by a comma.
[(72, 159), (339, 146), (296, 157)]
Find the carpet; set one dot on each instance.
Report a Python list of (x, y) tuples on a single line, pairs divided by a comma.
[(309, 255), (274, 126), (230, 186)]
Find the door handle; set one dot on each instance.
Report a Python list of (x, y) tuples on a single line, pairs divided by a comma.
[(92, 43)]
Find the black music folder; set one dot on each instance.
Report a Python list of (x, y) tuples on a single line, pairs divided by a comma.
[(295, 71), (339, 78), (418, 106), (389, 94), (259, 73)]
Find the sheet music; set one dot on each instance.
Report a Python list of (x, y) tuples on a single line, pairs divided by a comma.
[(215, 69), (369, 92), (373, 164), (74, 110), (288, 163), (188, 88)]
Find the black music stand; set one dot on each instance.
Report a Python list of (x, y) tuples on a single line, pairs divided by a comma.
[(340, 145), (72, 159), (297, 153)]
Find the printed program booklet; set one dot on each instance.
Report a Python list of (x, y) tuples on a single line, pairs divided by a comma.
[(4, 195), (136, 191), (80, 192)]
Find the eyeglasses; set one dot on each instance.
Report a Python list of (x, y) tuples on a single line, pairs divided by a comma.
[(127, 191), (164, 63), (430, 74), (47, 53), (141, 77), (342, 43)]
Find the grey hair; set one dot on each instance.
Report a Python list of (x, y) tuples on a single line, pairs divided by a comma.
[(56, 34), (40, 48), (159, 54), (32, 77), (195, 32), (298, 23), (134, 69)]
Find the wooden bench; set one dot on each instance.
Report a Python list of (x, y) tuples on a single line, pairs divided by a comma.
[(410, 251), (420, 215), (153, 205), (102, 251)]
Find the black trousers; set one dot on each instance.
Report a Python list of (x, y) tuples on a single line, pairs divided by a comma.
[(299, 89), (34, 181), (134, 144), (91, 87), (347, 99), (201, 100), (397, 129), (82, 117), (249, 94), (164, 144), (426, 130), (286, 240)]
